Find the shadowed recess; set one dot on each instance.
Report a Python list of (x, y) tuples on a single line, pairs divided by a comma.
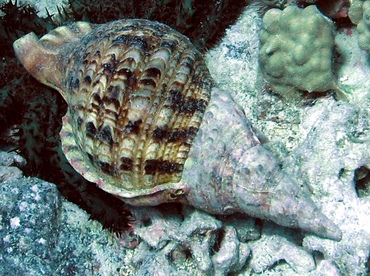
[(204, 22)]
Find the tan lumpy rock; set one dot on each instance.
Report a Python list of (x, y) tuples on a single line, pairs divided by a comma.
[(363, 27), (297, 51)]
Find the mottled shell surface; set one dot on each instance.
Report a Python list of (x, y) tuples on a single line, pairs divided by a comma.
[(136, 92)]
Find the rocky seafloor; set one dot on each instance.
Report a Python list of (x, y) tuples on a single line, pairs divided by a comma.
[(322, 143)]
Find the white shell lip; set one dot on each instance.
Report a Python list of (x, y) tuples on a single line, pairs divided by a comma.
[(165, 193)]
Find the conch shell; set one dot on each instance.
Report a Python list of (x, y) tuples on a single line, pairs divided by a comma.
[(146, 124)]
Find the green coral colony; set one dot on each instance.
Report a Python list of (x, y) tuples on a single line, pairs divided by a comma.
[(297, 48), (297, 51)]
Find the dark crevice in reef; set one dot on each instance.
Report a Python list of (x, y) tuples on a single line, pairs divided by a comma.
[(30, 113), (204, 22), (18, 21), (337, 10), (362, 181)]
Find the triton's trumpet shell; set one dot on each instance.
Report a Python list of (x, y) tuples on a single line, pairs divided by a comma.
[(141, 124)]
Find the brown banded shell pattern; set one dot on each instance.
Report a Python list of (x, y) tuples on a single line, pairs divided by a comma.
[(136, 92)]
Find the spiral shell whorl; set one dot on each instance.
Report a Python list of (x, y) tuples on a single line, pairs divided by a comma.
[(136, 92)]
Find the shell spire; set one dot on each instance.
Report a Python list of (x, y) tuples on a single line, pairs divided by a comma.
[(245, 178)]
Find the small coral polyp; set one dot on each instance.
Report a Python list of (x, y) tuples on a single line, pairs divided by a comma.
[(297, 51)]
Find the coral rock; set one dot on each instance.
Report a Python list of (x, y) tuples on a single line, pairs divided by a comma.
[(297, 51), (363, 27)]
